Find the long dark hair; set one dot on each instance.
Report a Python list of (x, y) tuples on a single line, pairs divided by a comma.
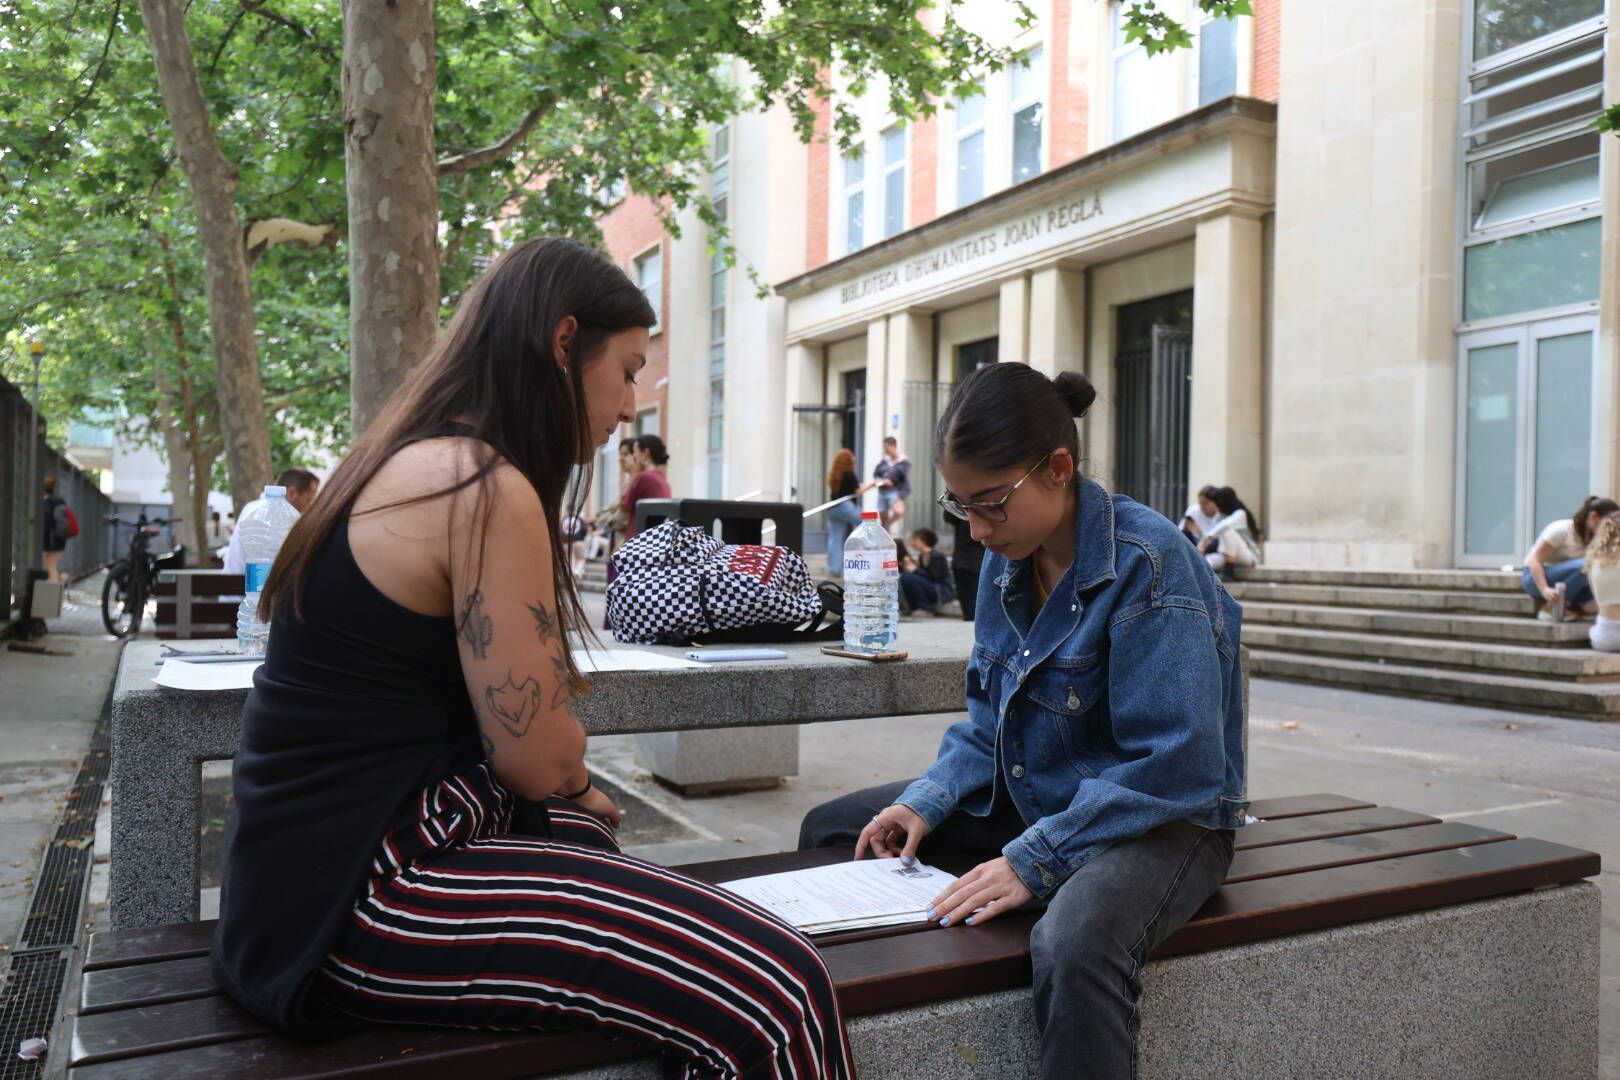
[(495, 369), (1227, 502), (1593, 504), (1007, 415)]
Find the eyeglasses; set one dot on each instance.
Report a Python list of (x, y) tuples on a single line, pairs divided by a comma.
[(995, 512)]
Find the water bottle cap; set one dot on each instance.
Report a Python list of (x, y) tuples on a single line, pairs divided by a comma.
[(274, 491), (869, 515)]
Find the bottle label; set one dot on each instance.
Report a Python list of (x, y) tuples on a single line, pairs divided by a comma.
[(870, 567), (254, 575)]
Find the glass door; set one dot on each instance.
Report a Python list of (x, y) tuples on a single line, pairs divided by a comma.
[(1525, 434)]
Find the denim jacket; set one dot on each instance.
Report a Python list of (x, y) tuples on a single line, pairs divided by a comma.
[(1115, 708)]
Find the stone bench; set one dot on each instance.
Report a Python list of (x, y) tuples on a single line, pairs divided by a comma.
[(1348, 940), (161, 737)]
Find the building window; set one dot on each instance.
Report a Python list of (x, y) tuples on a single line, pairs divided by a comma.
[(1145, 90), (854, 199), (650, 279), (970, 147), (1500, 25), (1216, 58), (1532, 200), (1028, 108), (894, 180), (719, 192)]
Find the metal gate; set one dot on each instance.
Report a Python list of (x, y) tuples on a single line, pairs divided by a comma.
[(818, 433), (924, 401), (1153, 393)]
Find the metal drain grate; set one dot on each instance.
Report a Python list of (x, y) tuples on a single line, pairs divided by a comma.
[(54, 914), (28, 1008), (31, 996)]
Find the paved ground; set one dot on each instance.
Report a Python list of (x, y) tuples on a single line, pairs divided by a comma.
[(1520, 773), (49, 704)]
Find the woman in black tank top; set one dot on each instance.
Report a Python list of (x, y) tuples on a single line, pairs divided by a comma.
[(416, 838)]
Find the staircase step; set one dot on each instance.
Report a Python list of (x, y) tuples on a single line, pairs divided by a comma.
[(1498, 628), (1476, 601), (1565, 664), (1494, 581), (1588, 701)]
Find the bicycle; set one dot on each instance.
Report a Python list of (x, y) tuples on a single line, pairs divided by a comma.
[(130, 579)]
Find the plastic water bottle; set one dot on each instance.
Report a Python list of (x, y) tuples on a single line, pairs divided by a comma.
[(871, 588), (263, 527)]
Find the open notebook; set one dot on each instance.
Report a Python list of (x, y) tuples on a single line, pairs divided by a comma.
[(848, 895)]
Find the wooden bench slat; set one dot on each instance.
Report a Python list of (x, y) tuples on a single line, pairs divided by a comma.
[(1275, 907), (1300, 805), (1279, 859), (145, 984), (113, 948), (398, 1053), (1321, 826), (150, 1030)]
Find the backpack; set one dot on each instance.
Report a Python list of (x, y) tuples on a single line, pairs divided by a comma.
[(676, 584), (72, 521)]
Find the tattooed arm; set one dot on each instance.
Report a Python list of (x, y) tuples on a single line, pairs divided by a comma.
[(512, 641)]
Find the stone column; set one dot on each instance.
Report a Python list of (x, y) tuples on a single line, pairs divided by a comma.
[(878, 406), (911, 359), (806, 385), (1014, 344), (1057, 320), (1227, 362)]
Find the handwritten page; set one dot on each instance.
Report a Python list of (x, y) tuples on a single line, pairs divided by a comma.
[(848, 895), (589, 660), (228, 675)]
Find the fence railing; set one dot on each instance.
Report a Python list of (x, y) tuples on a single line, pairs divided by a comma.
[(22, 495)]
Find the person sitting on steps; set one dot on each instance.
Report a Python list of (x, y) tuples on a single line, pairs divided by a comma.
[(1554, 572)]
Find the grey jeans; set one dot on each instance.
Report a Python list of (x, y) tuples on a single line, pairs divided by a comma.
[(1099, 928)]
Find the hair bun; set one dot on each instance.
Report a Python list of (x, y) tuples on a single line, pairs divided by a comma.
[(1077, 391)]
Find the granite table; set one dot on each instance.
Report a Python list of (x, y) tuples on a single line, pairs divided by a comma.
[(161, 737)]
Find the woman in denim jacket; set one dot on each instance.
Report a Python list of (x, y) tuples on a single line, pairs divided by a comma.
[(1100, 771)]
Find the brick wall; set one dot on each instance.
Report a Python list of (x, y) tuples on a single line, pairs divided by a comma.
[(629, 229), (1068, 117), (815, 217), (924, 166), (1267, 43)]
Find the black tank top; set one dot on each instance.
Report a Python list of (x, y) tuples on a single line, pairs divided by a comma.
[(359, 705)]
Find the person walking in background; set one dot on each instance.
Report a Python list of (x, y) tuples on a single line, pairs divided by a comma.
[(846, 516), (892, 478), (1201, 515), (302, 487), (1234, 539), (965, 563), (1554, 572), (651, 480), (55, 531), (1603, 574)]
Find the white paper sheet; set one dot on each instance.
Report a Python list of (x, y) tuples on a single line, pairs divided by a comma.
[(589, 660), (180, 675), (847, 895)]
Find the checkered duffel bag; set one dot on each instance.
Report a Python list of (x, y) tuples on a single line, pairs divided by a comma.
[(677, 584)]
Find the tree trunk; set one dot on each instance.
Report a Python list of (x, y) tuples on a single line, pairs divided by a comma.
[(179, 459), (388, 101), (230, 297)]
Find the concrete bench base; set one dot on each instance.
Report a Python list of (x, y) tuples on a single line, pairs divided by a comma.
[(1499, 989), (720, 759)]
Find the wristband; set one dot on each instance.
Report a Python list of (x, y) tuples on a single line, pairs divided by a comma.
[(581, 793)]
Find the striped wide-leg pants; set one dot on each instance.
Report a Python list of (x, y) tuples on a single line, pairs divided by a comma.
[(465, 924)]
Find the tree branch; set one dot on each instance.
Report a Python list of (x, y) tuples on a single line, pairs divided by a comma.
[(477, 159), (257, 8), (101, 66), (261, 234)]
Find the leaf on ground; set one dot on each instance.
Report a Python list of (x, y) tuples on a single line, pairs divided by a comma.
[(1290, 725)]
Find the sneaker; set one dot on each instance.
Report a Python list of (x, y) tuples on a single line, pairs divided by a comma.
[(1544, 616)]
